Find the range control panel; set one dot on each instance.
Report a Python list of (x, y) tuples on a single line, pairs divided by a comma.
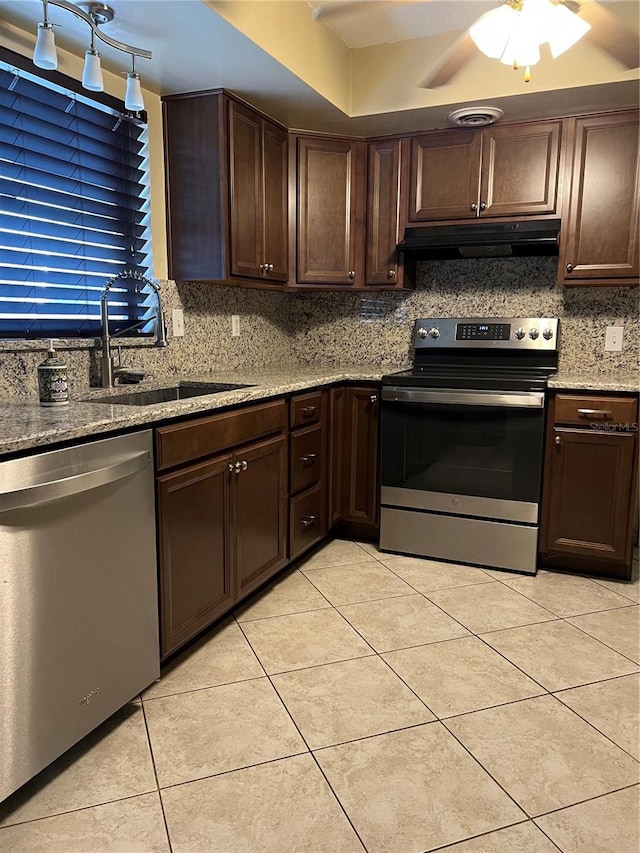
[(532, 333)]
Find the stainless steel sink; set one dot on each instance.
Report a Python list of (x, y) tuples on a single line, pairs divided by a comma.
[(166, 395)]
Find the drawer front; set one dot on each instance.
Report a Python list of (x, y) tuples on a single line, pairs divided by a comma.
[(585, 411), (305, 409), (305, 458), (306, 524), (184, 442)]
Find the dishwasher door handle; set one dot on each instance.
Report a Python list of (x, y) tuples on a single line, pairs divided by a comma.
[(41, 493)]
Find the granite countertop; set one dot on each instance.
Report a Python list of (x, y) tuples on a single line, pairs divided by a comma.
[(27, 425), (595, 382)]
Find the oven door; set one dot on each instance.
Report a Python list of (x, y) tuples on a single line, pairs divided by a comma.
[(475, 453)]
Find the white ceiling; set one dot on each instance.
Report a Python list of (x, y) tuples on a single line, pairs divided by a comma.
[(195, 48)]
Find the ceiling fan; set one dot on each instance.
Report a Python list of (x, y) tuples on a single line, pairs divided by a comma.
[(604, 31)]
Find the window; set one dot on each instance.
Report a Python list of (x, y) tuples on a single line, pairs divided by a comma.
[(73, 206)]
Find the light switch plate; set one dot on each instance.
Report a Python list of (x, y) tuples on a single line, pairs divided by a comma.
[(235, 325), (613, 338), (177, 322)]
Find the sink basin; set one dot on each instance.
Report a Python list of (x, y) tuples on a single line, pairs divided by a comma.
[(166, 395)]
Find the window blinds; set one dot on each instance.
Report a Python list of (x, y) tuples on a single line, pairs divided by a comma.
[(73, 210)]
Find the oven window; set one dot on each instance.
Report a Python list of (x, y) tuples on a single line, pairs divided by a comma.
[(481, 451)]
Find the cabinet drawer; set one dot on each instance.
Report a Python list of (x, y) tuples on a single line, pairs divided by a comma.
[(305, 409), (184, 442), (306, 524), (305, 459), (584, 411)]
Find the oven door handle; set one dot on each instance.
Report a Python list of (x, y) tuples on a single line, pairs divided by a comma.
[(451, 396)]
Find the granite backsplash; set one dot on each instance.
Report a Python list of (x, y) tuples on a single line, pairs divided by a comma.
[(376, 327), (342, 328)]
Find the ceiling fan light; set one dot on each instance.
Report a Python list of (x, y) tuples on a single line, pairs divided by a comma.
[(521, 49), (44, 54), (492, 31), (567, 29)]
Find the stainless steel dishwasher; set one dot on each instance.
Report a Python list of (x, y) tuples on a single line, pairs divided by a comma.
[(78, 596)]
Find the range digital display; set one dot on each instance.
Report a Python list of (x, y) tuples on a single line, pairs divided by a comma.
[(483, 331)]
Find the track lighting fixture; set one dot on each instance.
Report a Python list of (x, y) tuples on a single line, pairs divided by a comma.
[(94, 14)]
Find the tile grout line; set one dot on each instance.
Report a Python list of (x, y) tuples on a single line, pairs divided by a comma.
[(155, 774), (587, 800), (595, 728), (489, 832), (602, 642)]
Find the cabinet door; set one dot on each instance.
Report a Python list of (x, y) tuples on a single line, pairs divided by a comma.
[(360, 484), (246, 201), (193, 526), (383, 192), (520, 169), (275, 158), (445, 176), (260, 513), (589, 493), (599, 239), (330, 211), (337, 398)]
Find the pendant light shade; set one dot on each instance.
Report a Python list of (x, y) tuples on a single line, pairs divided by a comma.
[(44, 54), (133, 95), (92, 72)]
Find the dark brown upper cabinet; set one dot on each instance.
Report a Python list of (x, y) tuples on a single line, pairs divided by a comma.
[(330, 198), (227, 194), (506, 171), (599, 239), (258, 152), (383, 209)]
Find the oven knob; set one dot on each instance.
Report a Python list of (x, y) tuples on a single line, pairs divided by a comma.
[(434, 333), (422, 333), (533, 334), (520, 333), (547, 334)]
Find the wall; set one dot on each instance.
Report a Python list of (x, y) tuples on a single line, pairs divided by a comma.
[(376, 328)]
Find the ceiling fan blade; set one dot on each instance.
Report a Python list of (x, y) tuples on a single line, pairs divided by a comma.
[(609, 35), (334, 11), (459, 54)]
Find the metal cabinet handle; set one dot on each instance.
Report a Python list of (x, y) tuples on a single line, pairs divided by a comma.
[(308, 411), (352, 274), (269, 267), (569, 267), (592, 413), (308, 521), (373, 398), (391, 274), (263, 267), (308, 460), (231, 467), (244, 465), (557, 439), (473, 206), (483, 205)]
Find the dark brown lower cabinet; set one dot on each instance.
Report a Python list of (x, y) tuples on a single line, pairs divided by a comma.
[(360, 456), (196, 583), (589, 495), (337, 398), (222, 532), (259, 498)]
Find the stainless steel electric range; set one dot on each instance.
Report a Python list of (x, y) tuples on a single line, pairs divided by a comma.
[(462, 441)]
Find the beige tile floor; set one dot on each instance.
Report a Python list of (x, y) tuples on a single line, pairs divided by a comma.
[(366, 701)]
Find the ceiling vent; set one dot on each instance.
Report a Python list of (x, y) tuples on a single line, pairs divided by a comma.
[(475, 116)]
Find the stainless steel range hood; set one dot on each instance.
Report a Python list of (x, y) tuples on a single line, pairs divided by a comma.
[(484, 239)]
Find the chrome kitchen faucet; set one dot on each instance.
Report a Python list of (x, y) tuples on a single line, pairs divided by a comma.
[(108, 372)]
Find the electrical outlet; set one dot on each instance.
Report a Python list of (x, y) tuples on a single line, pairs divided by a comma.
[(613, 338), (177, 322), (235, 325)]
